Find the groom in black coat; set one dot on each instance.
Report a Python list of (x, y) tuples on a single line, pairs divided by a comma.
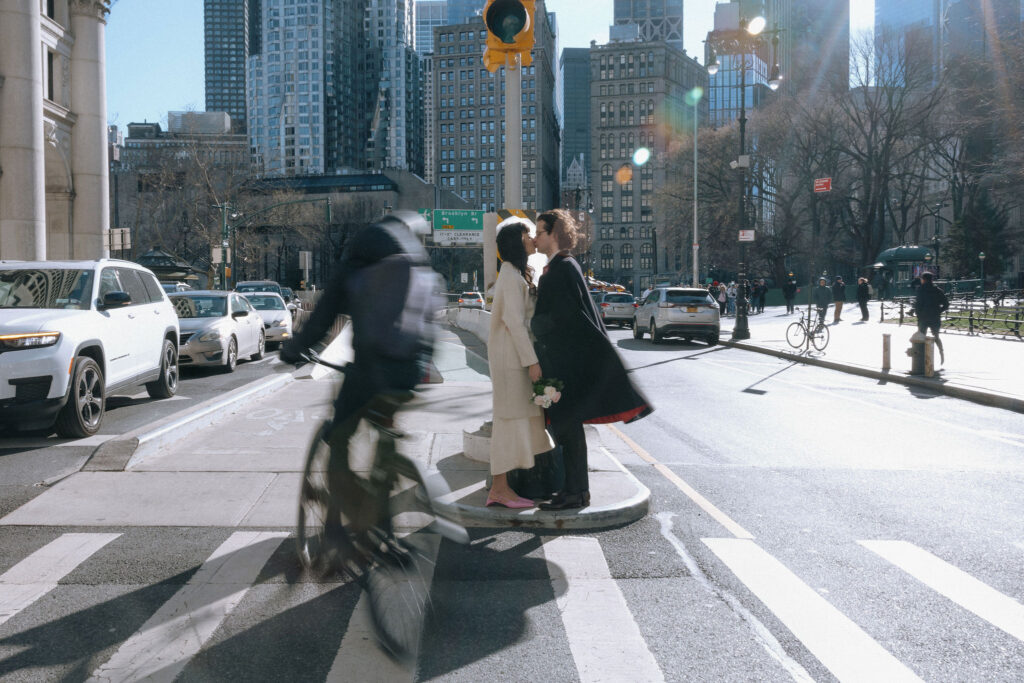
[(573, 346)]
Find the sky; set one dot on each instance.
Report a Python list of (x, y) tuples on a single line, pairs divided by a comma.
[(155, 48)]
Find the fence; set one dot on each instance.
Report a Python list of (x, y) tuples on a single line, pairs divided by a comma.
[(997, 313)]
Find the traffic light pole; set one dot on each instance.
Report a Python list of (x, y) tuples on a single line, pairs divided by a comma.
[(513, 132)]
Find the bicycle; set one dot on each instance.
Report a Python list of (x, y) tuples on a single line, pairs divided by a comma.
[(357, 530), (798, 332)]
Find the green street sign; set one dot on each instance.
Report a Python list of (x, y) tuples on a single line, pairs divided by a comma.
[(458, 226)]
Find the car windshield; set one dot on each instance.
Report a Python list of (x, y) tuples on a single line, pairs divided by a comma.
[(680, 296), (258, 287), (192, 306), (46, 288), (265, 303), (470, 295)]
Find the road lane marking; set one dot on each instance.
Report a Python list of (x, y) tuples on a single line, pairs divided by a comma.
[(1000, 610), (358, 659), (762, 634), (835, 640), (691, 493), (604, 639), (40, 572), (163, 646)]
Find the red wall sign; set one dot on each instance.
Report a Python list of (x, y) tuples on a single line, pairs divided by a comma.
[(822, 184)]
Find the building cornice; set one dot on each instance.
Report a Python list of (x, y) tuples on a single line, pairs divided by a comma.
[(96, 9)]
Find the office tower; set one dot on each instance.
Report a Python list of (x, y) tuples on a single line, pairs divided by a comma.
[(396, 118), (574, 67), (226, 45), (429, 13), (724, 93), (427, 88), (913, 28), (981, 30), (637, 99), (656, 19), (469, 114), (461, 11), (814, 45)]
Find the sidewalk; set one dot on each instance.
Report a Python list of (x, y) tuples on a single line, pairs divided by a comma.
[(979, 368), (242, 467)]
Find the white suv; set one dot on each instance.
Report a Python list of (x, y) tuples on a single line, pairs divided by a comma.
[(74, 332)]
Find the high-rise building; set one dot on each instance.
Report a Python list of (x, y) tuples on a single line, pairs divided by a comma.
[(638, 92), (574, 67), (226, 46), (980, 29), (656, 19), (429, 13), (461, 11), (468, 117), (814, 43), (751, 68), (914, 29)]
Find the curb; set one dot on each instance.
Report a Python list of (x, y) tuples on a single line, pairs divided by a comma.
[(128, 450), (628, 511), (938, 386)]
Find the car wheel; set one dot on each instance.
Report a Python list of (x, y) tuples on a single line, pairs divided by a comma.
[(167, 384), (655, 335), (637, 332), (231, 358), (260, 347), (82, 415), (713, 338)]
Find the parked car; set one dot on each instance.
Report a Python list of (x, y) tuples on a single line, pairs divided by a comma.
[(73, 333), (471, 300), (257, 286), (685, 312), (171, 287), (616, 308), (277, 319), (217, 328)]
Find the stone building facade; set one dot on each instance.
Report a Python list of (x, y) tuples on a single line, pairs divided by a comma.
[(53, 129)]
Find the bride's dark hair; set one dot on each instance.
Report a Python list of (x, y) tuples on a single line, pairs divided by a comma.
[(510, 250)]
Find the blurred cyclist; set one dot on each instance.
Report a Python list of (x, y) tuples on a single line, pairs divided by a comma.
[(385, 285)]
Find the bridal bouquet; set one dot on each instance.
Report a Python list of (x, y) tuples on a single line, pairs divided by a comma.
[(547, 391)]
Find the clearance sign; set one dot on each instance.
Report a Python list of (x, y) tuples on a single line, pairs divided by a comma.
[(458, 226)]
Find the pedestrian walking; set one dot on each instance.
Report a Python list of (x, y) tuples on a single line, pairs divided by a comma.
[(574, 348), (822, 298), (762, 294), (789, 293), (863, 294), (838, 298), (722, 298), (730, 294), (930, 303), (753, 292)]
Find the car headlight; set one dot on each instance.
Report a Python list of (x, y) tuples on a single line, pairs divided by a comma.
[(212, 335), (29, 340), (280, 323)]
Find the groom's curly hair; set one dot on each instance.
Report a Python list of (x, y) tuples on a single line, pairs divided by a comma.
[(562, 226)]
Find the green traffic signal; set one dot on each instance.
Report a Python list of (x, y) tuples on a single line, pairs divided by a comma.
[(506, 19)]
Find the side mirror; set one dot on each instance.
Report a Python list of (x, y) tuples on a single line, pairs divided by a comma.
[(115, 300), (239, 314)]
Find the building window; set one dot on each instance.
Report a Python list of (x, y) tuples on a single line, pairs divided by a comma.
[(626, 257), (607, 257)]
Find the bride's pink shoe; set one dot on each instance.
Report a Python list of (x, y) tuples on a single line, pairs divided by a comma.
[(517, 503)]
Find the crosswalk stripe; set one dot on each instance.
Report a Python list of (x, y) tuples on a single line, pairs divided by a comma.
[(39, 573), (999, 610), (160, 650), (604, 639), (836, 641)]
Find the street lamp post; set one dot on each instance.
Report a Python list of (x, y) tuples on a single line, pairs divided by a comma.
[(981, 257), (745, 40), (694, 96)]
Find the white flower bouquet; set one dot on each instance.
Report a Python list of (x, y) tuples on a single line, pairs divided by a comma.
[(547, 391)]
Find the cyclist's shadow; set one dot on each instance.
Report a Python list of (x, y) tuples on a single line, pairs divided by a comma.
[(480, 596)]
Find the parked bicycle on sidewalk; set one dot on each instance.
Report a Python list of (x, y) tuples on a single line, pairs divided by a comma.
[(800, 332)]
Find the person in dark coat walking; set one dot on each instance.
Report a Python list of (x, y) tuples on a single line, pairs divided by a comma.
[(789, 293), (822, 298), (573, 346), (863, 294), (838, 297), (930, 303)]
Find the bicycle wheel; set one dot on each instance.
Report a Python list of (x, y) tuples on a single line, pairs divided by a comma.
[(820, 337), (796, 333), (317, 541)]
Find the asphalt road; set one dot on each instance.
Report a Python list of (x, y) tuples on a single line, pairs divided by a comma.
[(805, 525), (30, 458)]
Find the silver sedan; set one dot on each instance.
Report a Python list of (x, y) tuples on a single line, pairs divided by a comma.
[(277, 319), (217, 328)]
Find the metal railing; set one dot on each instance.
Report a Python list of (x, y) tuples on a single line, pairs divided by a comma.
[(999, 313)]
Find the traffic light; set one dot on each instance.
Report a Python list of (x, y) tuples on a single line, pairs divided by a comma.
[(509, 32)]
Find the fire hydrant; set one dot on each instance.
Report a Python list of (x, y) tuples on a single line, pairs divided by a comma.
[(920, 356)]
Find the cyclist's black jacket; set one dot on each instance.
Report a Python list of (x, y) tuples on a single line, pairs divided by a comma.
[(384, 285)]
